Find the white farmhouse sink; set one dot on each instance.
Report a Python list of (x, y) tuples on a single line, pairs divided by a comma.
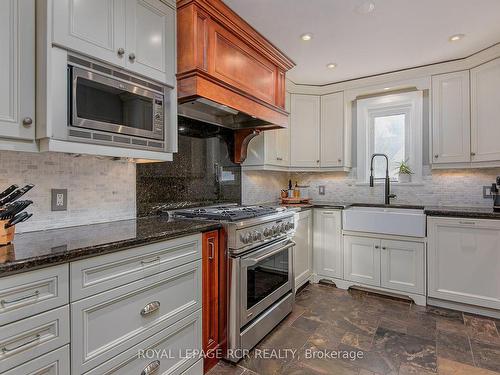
[(386, 220)]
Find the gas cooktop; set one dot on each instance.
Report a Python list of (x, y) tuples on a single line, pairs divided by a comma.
[(226, 213)]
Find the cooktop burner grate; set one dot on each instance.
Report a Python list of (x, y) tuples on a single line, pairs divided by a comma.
[(226, 213)]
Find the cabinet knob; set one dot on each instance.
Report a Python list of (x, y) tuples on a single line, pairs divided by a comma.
[(436, 156), (377, 247), (384, 248), (472, 154), (339, 160), (317, 161), (131, 57), (27, 121), (121, 52), (278, 158)]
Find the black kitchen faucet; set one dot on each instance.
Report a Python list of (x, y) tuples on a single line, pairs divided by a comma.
[(387, 193)]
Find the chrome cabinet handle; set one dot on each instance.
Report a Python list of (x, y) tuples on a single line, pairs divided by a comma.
[(34, 295), (151, 368), (155, 259), (211, 252), (121, 52), (278, 158), (254, 261), (27, 121), (131, 57), (150, 308), (6, 350)]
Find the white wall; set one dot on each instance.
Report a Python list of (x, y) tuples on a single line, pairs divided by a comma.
[(99, 189), (447, 188)]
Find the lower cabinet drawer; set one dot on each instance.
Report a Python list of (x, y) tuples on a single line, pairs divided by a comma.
[(33, 292), (169, 351), (105, 325), (29, 338), (53, 363)]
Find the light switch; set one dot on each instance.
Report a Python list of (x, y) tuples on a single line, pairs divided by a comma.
[(321, 190)]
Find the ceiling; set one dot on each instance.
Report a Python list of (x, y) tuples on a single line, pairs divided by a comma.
[(397, 34)]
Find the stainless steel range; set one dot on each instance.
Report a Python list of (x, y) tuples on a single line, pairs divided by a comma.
[(260, 274)]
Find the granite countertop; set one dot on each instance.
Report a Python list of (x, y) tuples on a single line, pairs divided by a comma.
[(446, 211), (50, 247)]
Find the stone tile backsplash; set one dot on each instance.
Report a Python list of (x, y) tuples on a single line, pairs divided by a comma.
[(99, 189), (463, 187)]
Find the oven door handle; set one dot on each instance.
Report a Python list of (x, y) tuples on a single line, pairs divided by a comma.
[(253, 261)]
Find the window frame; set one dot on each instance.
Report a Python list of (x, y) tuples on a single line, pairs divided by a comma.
[(411, 105)]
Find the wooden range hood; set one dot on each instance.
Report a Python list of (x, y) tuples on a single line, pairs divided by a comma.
[(228, 74)]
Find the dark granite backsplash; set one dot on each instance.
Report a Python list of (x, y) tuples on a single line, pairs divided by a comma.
[(201, 172)]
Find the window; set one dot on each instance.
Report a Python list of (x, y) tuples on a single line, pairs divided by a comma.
[(391, 125)]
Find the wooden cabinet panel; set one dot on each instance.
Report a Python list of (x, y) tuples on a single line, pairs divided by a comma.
[(328, 255), (464, 261), (485, 112), (451, 118), (17, 73)]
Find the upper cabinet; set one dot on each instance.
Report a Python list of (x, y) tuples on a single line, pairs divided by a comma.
[(451, 118), (332, 130), (305, 130), (17, 70), (138, 35), (485, 112)]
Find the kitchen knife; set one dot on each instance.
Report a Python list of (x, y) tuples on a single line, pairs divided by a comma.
[(16, 194), (14, 208), (23, 216), (7, 191)]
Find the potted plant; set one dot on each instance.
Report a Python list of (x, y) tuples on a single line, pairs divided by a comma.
[(404, 171)]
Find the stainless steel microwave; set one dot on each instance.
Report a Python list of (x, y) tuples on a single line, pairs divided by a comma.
[(107, 105)]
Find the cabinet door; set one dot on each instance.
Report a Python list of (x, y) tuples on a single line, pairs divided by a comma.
[(92, 27), (17, 69), (485, 112), (451, 118), (304, 130), (302, 252), (210, 295), (55, 362), (402, 266), (332, 130), (464, 261), (362, 260), (150, 36), (328, 243)]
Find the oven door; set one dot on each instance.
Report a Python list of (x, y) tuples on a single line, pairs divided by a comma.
[(266, 276), (103, 103)]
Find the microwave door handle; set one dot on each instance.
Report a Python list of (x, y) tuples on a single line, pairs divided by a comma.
[(254, 261)]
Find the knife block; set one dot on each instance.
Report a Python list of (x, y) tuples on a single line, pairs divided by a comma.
[(6, 234)]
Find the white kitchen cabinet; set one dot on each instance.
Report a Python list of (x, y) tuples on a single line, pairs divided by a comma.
[(304, 130), (138, 35), (464, 260), (362, 260), (54, 363), (451, 118), (17, 69), (402, 266), (327, 243), (302, 252), (485, 112), (150, 39), (332, 130)]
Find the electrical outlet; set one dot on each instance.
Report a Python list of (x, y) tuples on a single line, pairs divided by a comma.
[(487, 192), (59, 199), (321, 190)]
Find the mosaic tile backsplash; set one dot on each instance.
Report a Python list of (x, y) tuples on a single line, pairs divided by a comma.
[(99, 189), (463, 187)]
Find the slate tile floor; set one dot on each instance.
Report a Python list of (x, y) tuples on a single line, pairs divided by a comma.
[(395, 336)]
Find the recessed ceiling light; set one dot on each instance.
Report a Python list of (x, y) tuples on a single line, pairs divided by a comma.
[(456, 37), (365, 7), (306, 37), (331, 65), (387, 88)]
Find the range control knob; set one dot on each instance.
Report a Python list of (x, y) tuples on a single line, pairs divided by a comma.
[(282, 228), (267, 232), (275, 230), (255, 236), (246, 238)]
